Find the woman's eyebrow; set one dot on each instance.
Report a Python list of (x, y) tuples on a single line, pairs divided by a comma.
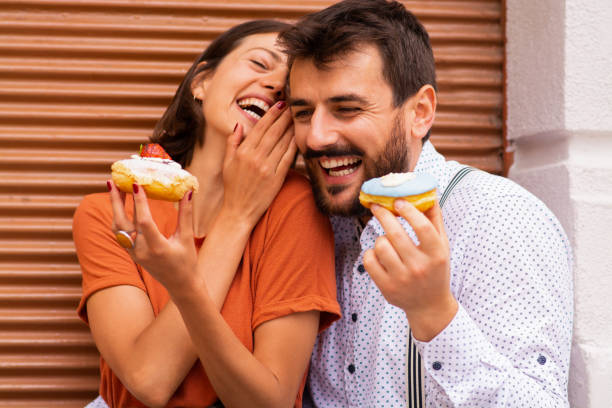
[(274, 55)]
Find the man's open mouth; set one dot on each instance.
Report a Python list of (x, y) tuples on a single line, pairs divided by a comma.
[(340, 166), (253, 107)]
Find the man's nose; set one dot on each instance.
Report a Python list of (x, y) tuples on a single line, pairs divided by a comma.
[(322, 133)]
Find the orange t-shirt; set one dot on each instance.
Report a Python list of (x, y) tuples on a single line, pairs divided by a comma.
[(287, 267)]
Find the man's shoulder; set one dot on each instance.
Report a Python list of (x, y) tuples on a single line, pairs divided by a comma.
[(482, 189)]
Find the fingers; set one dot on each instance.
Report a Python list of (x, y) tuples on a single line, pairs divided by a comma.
[(145, 226), (234, 140), (428, 235), (397, 236), (435, 216), (376, 271), (275, 132), (284, 150), (287, 160), (261, 128), (184, 229), (120, 219)]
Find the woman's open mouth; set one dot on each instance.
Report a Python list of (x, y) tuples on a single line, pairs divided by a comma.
[(253, 107)]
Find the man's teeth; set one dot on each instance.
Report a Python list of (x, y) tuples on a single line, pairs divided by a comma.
[(331, 163), (345, 172)]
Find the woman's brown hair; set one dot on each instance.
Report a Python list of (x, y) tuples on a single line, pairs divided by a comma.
[(182, 124)]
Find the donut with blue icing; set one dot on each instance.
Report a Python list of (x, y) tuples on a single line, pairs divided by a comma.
[(419, 189)]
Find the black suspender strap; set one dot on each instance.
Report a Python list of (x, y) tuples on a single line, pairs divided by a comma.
[(415, 395), (454, 181)]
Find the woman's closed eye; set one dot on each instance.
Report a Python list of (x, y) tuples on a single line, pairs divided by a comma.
[(259, 64)]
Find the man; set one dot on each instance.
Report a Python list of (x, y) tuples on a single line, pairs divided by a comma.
[(484, 285)]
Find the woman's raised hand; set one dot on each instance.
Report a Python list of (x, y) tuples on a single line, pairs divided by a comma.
[(165, 258), (254, 168)]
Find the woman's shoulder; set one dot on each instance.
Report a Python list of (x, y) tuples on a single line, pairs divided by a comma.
[(295, 189), (294, 207), (94, 205)]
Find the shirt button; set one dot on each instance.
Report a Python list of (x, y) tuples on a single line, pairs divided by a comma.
[(437, 365), (542, 360), (354, 317), (351, 368), (361, 268)]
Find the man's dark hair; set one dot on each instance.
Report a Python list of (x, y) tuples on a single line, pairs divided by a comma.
[(182, 125), (401, 40)]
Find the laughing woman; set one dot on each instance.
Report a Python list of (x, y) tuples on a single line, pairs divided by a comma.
[(220, 298)]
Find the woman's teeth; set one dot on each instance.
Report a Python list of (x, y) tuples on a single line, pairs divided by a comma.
[(254, 107), (252, 114)]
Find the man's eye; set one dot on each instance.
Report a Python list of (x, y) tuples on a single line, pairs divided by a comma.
[(348, 109), (301, 114), (259, 64)]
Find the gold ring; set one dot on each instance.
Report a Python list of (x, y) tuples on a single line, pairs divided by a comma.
[(124, 239)]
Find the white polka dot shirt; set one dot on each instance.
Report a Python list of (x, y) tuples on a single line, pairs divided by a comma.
[(509, 343)]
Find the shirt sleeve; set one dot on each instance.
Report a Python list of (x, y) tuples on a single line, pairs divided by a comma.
[(295, 270), (509, 343), (103, 262)]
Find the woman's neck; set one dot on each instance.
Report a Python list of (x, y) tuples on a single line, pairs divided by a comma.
[(207, 165)]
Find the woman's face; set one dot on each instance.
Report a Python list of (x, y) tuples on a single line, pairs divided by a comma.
[(247, 82)]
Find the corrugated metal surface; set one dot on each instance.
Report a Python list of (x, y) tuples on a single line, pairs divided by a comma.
[(82, 83)]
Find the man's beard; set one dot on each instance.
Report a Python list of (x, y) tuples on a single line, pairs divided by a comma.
[(393, 159)]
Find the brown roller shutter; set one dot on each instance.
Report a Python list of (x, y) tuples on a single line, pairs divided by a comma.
[(82, 84)]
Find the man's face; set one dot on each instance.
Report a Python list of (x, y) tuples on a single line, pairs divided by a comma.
[(346, 127)]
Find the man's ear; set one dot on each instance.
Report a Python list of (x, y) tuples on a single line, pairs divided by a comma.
[(198, 85), (423, 110)]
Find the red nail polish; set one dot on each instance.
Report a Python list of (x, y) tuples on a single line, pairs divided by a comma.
[(280, 104), (135, 188), (235, 126), (109, 186), (190, 195)]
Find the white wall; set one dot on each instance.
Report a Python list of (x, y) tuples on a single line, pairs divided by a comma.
[(559, 90)]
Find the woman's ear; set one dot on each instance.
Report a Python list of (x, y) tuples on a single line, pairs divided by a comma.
[(198, 88), (198, 85), (423, 109)]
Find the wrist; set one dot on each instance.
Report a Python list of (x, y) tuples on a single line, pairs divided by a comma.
[(427, 323), (230, 219), (183, 294)]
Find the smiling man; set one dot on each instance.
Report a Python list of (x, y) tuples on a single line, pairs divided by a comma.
[(482, 290)]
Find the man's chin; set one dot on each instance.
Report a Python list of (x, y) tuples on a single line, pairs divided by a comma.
[(338, 200)]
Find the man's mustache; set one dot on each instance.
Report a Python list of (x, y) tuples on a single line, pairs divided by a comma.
[(332, 152)]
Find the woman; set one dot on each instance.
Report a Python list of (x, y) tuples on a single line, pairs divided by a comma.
[(236, 320)]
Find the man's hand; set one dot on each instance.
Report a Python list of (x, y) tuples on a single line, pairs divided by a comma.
[(415, 278)]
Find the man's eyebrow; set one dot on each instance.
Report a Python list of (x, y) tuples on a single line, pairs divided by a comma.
[(334, 99), (274, 55), (348, 98), (297, 102)]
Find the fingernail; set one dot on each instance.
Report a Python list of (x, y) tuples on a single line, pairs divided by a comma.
[(108, 185), (190, 195), (135, 188), (235, 127), (399, 204), (280, 104)]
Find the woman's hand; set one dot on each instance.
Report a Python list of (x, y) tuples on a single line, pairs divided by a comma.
[(254, 168), (170, 260)]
